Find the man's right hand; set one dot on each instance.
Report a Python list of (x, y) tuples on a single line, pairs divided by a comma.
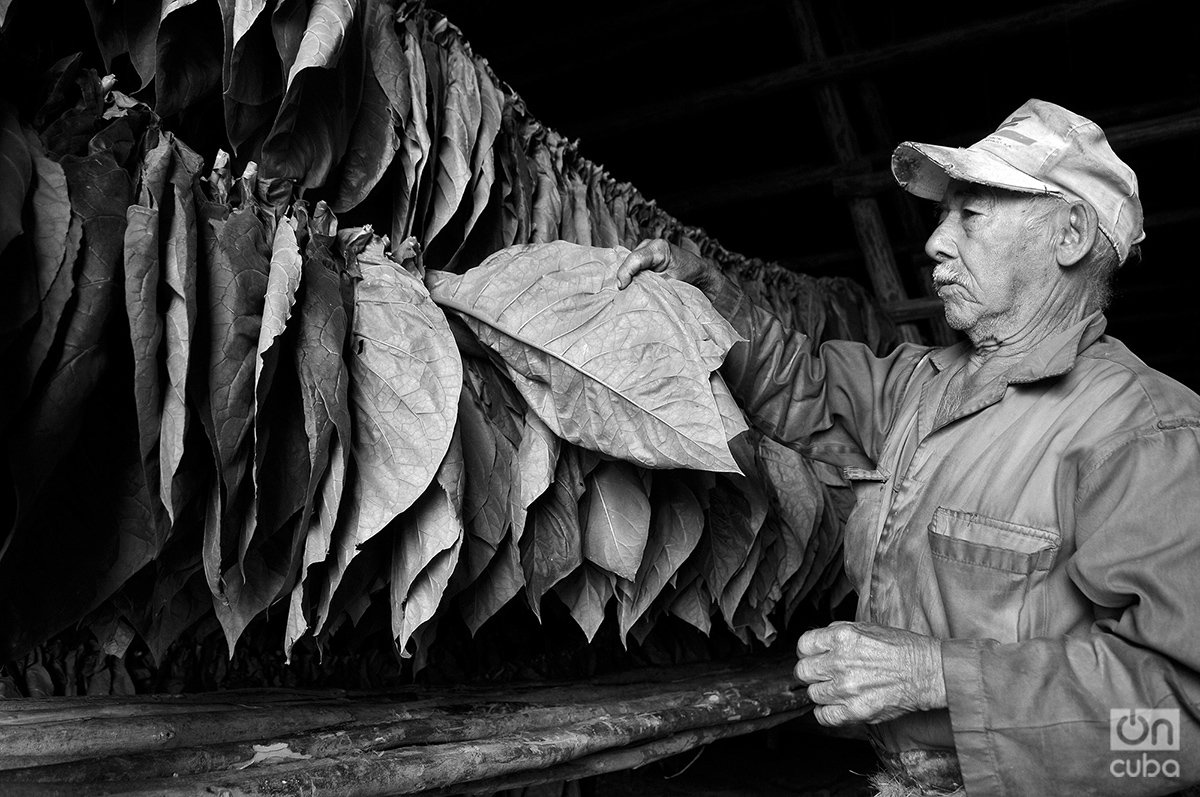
[(671, 261)]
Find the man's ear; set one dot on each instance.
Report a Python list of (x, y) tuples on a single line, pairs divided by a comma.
[(1077, 230)]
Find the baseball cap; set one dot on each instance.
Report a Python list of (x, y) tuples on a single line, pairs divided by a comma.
[(1041, 148)]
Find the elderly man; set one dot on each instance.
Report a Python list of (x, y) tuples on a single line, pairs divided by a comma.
[(1026, 540)]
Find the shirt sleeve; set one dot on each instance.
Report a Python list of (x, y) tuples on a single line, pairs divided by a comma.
[(835, 405), (1039, 716)]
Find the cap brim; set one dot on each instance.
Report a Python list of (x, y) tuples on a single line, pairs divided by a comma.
[(925, 170)]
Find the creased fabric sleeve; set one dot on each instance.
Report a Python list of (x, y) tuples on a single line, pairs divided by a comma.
[(835, 406), (1033, 717)]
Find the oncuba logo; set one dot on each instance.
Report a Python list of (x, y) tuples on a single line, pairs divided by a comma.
[(1144, 730)]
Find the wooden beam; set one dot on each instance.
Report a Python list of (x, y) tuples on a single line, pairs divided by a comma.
[(853, 179), (619, 122)]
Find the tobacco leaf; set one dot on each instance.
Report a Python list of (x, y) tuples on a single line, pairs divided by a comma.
[(126, 28), (236, 261), (797, 498), (604, 228), (676, 527), (145, 331), (586, 592), (425, 549), (533, 470), (765, 588), (483, 162), (16, 173), (488, 454), (519, 174), (461, 115), (494, 588), (324, 85), (251, 81), (617, 519), (189, 57), (179, 282), (405, 379), (416, 143), (606, 369), (100, 192), (552, 548), (693, 605), (735, 590), (547, 200), (575, 210), (730, 534), (733, 419)]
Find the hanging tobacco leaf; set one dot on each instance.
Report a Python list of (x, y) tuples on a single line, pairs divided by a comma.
[(416, 142), (406, 376), (552, 548), (250, 76), (461, 116), (797, 498), (179, 278), (617, 519), (126, 28), (488, 454), (237, 259), (604, 229), (586, 592), (606, 369), (547, 200), (189, 57), (425, 549), (16, 173), (693, 605), (533, 470), (675, 530), (494, 588), (375, 138), (324, 85)]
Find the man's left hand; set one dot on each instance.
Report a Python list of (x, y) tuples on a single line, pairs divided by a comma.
[(858, 672)]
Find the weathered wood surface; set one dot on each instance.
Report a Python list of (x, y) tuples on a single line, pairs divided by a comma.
[(406, 742)]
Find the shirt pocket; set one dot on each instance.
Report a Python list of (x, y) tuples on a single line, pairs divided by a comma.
[(985, 569)]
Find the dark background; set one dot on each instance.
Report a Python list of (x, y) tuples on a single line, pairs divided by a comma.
[(683, 99)]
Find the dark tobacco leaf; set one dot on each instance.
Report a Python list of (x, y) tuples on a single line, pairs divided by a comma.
[(675, 530), (693, 605), (58, 89), (617, 519), (586, 593), (127, 28), (236, 263), (99, 192), (189, 56), (495, 587), (552, 548), (730, 533), (425, 549), (179, 275), (16, 173), (461, 112), (415, 143), (251, 80), (71, 131), (321, 99)]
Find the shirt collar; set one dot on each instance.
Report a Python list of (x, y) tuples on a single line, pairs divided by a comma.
[(1054, 356)]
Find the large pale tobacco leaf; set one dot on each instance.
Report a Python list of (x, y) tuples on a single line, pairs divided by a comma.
[(16, 172), (609, 370), (494, 588), (416, 143), (586, 592), (236, 264), (324, 85), (617, 519), (461, 114), (425, 549), (179, 275), (675, 530), (406, 376), (552, 548)]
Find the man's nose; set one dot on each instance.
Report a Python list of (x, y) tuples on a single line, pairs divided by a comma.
[(940, 245)]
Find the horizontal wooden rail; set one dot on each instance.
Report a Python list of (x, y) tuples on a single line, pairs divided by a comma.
[(622, 121)]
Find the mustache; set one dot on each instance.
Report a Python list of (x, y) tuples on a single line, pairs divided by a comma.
[(943, 274)]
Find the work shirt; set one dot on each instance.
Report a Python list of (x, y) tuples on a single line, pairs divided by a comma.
[(1048, 532)]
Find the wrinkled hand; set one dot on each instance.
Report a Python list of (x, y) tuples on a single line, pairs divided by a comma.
[(858, 672), (669, 260)]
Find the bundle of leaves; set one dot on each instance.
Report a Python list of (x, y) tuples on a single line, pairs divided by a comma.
[(224, 404)]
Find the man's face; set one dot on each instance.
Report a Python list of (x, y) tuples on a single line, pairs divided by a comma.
[(994, 266)]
